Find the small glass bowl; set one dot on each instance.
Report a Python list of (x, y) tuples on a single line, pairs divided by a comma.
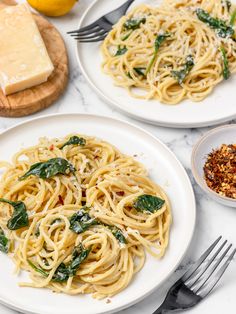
[(212, 140)]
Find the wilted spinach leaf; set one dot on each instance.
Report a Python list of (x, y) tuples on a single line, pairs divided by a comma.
[(19, 218), (121, 51), (117, 233), (159, 40), (75, 140), (134, 23), (38, 269), (222, 29), (129, 75), (148, 203), (126, 35), (4, 247), (79, 254), (226, 71), (181, 75), (140, 71), (63, 272), (56, 221), (48, 169), (81, 221)]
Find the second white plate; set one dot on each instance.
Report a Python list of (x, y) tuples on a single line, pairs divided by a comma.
[(216, 108), (164, 169)]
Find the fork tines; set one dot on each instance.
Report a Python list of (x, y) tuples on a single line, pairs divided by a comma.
[(207, 271), (83, 29), (96, 31)]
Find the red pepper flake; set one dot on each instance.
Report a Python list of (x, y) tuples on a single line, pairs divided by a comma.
[(120, 193), (61, 201), (220, 170), (108, 301), (51, 148)]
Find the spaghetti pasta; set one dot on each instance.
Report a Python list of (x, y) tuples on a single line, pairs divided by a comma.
[(87, 228), (147, 51)]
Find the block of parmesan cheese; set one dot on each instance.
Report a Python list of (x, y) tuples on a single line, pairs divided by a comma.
[(24, 61)]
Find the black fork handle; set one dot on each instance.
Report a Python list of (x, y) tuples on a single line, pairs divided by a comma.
[(161, 310), (129, 4), (114, 16)]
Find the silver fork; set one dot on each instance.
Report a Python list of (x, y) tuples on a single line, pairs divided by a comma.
[(199, 280), (98, 30)]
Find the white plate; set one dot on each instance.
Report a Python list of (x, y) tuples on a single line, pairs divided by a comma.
[(216, 108), (165, 169)]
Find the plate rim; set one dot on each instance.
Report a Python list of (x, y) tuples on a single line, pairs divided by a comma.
[(10, 303), (114, 104)]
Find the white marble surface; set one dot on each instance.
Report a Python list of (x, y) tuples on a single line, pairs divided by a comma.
[(212, 218)]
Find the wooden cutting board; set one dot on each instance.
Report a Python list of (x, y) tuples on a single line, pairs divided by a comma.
[(39, 97)]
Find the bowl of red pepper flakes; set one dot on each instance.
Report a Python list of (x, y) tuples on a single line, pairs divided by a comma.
[(214, 164)]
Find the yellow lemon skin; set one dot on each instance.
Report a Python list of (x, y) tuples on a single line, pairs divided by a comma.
[(52, 7)]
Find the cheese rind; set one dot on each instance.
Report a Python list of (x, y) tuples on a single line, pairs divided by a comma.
[(24, 61)]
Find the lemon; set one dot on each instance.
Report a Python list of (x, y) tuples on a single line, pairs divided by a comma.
[(52, 7)]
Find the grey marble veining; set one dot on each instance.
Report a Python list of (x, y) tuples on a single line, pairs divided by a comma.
[(212, 219)]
